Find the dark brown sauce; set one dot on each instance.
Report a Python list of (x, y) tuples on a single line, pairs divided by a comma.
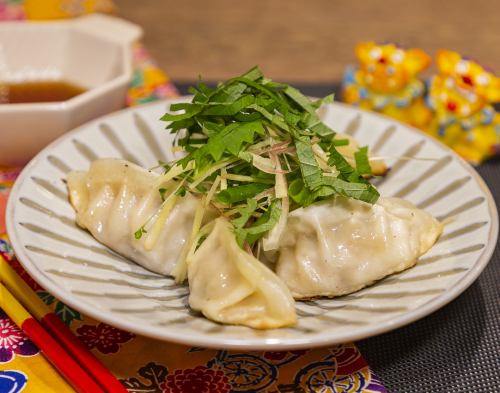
[(44, 91)]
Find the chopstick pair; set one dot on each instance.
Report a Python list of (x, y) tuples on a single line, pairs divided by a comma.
[(65, 351)]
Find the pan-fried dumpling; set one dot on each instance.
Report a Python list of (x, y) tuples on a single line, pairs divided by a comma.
[(230, 286), (339, 246), (115, 198)]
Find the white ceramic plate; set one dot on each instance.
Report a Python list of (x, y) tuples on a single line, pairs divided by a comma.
[(70, 264)]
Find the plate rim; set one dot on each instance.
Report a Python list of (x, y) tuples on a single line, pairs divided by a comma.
[(324, 339)]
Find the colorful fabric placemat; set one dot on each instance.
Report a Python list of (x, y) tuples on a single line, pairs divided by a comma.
[(144, 364)]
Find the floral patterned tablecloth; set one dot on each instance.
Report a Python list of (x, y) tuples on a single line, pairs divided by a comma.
[(146, 365)]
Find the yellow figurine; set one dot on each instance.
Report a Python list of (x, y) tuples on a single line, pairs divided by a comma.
[(461, 95), (387, 82)]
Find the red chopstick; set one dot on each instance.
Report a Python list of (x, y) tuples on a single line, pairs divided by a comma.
[(59, 330), (53, 352), (93, 366)]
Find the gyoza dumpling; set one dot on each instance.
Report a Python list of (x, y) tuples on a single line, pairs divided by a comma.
[(339, 246), (115, 198), (230, 286)]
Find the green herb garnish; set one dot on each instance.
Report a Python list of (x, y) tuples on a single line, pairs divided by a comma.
[(362, 163), (162, 192), (255, 143), (141, 231), (181, 191)]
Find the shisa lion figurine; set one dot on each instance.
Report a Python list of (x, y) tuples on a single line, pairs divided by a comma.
[(387, 82), (460, 96)]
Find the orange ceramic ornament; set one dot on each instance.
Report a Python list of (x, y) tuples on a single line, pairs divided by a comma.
[(386, 81), (461, 96)]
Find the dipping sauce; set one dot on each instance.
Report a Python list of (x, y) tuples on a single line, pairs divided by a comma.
[(43, 91)]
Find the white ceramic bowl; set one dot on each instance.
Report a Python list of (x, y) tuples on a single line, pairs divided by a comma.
[(93, 52)]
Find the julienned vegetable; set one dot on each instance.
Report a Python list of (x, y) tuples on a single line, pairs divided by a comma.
[(258, 150)]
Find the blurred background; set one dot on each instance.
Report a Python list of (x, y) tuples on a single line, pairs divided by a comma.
[(304, 41)]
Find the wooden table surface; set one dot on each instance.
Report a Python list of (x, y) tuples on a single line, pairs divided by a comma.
[(305, 41)]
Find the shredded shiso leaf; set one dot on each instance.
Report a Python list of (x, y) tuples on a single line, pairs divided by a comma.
[(259, 150)]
